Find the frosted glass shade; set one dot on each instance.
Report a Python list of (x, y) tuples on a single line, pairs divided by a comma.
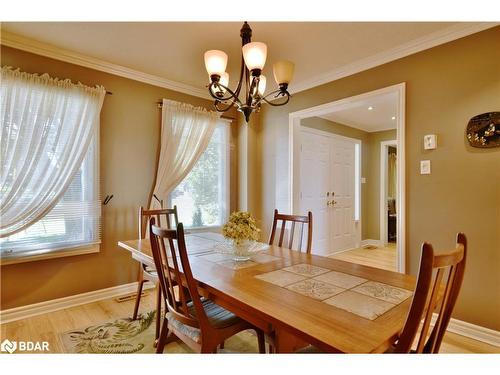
[(224, 80), (262, 85), (283, 71), (215, 62), (255, 54)]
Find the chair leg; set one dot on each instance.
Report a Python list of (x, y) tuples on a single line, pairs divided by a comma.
[(158, 311), (138, 299), (221, 346), (163, 337), (261, 340)]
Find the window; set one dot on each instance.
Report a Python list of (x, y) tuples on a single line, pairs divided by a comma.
[(73, 222), (202, 198)]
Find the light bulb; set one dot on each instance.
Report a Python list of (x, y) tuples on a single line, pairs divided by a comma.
[(262, 85), (283, 71), (215, 62), (224, 80), (255, 54)]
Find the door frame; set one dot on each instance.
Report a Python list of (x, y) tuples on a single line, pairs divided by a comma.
[(357, 166), (294, 156), (384, 146)]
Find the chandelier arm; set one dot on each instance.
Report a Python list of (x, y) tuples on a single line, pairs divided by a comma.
[(276, 94), (242, 74), (233, 95), (227, 108)]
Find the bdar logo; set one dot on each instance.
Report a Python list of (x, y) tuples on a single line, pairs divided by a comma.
[(8, 346)]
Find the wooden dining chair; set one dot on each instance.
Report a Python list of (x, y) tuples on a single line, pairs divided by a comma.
[(293, 219), (197, 321), (438, 285), (146, 273)]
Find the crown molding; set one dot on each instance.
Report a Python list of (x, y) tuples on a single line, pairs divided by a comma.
[(48, 50), (432, 40), (439, 37)]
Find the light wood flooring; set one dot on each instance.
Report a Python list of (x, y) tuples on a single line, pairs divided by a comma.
[(48, 327), (379, 257)]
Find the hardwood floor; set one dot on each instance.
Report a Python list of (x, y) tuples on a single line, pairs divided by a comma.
[(48, 327), (379, 257)]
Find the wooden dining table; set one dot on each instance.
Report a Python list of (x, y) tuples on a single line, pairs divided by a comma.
[(270, 291)]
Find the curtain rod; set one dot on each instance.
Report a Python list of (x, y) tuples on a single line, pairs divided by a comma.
[(160, 105)]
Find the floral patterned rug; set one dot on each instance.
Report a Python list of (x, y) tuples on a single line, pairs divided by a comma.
[(127, 336)]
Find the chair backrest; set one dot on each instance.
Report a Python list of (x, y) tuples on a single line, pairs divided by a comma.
[(438, 284), (172, 273), (303, 220), (163, 218)]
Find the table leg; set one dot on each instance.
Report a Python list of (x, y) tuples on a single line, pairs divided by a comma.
[(286, 342)]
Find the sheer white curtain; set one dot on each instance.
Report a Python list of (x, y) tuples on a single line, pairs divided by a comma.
[(185, 134), (46, 127)]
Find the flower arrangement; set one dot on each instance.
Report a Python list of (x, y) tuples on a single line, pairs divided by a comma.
[(240, 227)]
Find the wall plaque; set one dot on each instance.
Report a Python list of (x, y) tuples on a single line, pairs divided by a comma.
[(484, 130)]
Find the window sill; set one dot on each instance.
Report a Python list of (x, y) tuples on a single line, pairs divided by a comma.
[(215, 229), (41, 255)]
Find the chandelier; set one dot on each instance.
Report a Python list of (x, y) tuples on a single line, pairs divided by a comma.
[(252, 62)]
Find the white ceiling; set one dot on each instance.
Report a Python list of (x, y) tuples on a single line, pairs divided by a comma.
[(358, 116), (174, 50)]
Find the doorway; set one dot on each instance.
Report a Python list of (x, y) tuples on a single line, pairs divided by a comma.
[(388, 192), (339, 231), (329, 188)]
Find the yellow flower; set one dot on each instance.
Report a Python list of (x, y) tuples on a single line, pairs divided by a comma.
[(241, 226)]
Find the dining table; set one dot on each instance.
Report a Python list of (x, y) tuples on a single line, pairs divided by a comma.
[(298, 298)]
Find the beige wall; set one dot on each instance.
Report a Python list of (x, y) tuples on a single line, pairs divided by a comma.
[(130, 125), (445, 87)]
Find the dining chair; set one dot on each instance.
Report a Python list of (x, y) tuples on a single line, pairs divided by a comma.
[(293, 219), (438, 284), (199, 322), (146, 273)]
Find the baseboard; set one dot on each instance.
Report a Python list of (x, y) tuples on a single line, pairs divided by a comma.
[(472, 331), (372, 242), (23, 312), (341, 251)]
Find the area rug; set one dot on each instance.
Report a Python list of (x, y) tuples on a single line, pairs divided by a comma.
[(127, 336)]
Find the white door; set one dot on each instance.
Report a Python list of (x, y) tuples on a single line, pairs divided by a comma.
[(343, 234), (327, 166), (314, 181)]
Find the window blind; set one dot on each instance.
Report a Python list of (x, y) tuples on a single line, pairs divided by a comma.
[(73, 222)]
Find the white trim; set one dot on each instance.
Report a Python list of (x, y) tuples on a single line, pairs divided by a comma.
[(432, 40), (475, 332), (373, 242), (44, 307), (48, 50), (383, 188), (317, 111)]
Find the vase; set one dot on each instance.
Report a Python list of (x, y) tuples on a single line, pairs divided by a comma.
[(242, 251)]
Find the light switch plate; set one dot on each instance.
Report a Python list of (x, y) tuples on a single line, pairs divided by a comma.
[(425, 167), (430, 141), (363, 180)]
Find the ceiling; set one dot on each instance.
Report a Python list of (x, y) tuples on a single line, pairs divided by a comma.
[(358, 115), (174, 50)]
